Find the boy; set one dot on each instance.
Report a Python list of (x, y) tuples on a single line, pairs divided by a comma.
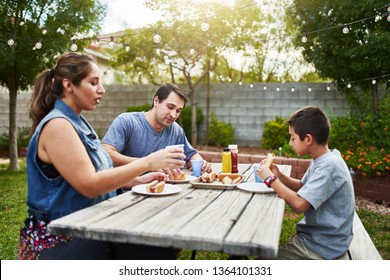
[(325, 193)]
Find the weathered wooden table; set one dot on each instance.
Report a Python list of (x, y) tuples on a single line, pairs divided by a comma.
[(234, 221)]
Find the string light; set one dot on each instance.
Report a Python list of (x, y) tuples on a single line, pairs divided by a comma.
[(345, 29), (38, 45), (111, 44), (373, 81), (292, 89), (309, 89), (127, 48), (304, 38), (204, 26), (265, 87), (156, 38), (11, 42), (74, 47)]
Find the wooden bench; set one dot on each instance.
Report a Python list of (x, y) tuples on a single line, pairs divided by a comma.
[(362, 247)]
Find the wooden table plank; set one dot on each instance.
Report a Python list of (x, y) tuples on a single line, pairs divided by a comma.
[(233, 221)]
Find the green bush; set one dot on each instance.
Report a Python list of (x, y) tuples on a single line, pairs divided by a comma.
[(275, 134), (23, 139), (221, 134), (184, 120)]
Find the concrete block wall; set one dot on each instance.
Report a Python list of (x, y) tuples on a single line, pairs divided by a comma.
[(246, 107)]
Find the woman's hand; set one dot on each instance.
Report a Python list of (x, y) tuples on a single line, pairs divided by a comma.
[(147, 178)]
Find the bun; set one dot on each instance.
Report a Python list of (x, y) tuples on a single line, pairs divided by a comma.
[(155, 186), (230, 178), (181, 176), (208, 177), (269, 160)]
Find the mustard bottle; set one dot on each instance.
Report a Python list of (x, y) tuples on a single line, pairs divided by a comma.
[(226, 161)]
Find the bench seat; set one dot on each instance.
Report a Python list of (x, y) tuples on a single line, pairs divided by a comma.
[(362, 247)]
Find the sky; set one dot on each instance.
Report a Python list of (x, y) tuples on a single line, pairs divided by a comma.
[(122, 14)]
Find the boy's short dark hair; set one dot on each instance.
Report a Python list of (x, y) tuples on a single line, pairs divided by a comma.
[(164, 91), (311, 120)]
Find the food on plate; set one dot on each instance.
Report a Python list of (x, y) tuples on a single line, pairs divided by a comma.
[(180, 176), (269, 160), (230, 178), (155, 186), (208, 177)]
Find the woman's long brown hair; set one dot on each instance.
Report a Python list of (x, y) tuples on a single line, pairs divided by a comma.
[(48, 85)]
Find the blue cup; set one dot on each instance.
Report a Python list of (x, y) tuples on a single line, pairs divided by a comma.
[(257, 178), (197, 167)]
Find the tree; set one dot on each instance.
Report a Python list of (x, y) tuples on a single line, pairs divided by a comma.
[(187, 54), (32, 34), (347, 41)]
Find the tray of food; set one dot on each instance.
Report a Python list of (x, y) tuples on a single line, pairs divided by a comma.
[(221, 181)]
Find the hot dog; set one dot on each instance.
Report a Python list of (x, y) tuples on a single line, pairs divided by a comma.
[(208, 177), (233, 178), (155, 186), (269, 160)]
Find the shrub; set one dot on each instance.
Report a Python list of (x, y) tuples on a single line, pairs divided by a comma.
[(221, 134), (23, 139), (275, 134)]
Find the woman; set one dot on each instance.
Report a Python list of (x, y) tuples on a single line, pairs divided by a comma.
[(68, 169)]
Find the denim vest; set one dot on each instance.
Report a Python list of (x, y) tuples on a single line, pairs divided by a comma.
[(49, 199)]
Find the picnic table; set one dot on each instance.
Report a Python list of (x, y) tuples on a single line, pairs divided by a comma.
[(234, 221)]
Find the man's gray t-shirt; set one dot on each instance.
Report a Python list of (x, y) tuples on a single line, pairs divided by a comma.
[(326, 228), (132, 135)]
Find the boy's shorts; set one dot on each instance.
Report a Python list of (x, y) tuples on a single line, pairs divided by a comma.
[(294, 249)]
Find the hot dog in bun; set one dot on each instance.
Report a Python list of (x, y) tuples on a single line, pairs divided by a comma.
[(269, 160), (230, 178), (155, 186)]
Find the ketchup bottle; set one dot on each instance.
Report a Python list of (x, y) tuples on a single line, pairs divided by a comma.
[(234, 153)]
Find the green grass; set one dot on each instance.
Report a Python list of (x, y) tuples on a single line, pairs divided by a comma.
[(13, 190)]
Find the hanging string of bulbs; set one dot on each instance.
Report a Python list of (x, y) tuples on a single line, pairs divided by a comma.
[(204, 26)]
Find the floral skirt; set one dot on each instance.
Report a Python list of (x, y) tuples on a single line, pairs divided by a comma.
[(34, 237)]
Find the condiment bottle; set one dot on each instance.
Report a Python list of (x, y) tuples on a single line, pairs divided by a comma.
[(226, 161), (234, 152)]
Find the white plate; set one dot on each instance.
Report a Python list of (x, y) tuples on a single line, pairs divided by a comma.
[(255, 187), (188, 178), (168, 189)]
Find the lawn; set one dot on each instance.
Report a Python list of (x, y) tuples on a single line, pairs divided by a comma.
[(13, 187)]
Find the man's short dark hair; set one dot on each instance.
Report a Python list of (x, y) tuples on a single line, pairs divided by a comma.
[(311, 120), (164, 91)]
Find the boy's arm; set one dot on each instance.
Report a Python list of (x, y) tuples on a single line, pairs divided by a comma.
[(286, 188)]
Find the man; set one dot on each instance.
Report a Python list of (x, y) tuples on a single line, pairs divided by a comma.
[(137, 134)]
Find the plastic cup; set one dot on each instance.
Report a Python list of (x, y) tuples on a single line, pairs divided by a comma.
[(197, 167), (257, 178), (181, 146)]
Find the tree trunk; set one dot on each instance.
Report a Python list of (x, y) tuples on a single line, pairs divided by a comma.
[(208, 104), (13, 132), (375, 100), (194, 131)]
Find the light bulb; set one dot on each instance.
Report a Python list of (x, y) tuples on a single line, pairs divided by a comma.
[(44, 31), (292, 89), (304, 39), (127, 48), (277, 89), (156, 38), (204, 26), (373, 81), (73, 47), (38, 45), (111, 44), (21, 23), (328, 88), (192, 51), (349, 85), (11, 42), (240, 83), (345, 30), (265, 87), (251, 85)]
